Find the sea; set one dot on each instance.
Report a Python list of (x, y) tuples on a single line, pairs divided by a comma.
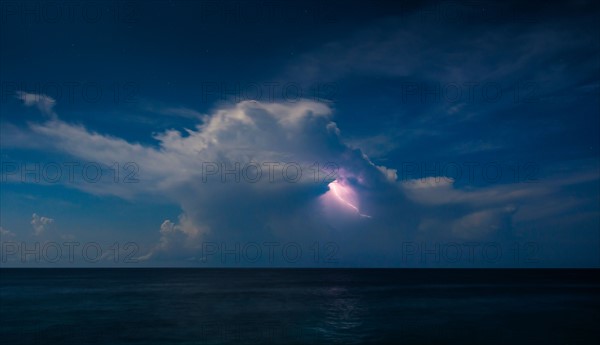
[(299, 306)]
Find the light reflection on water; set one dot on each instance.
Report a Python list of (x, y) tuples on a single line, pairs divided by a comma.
[(342, 316)]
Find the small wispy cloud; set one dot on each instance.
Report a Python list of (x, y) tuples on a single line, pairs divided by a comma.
[(40, 223), (181, 112), (5, 233), (173, 111), (44, 103)]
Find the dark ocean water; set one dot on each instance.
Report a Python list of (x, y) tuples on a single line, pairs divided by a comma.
[(278, 306)]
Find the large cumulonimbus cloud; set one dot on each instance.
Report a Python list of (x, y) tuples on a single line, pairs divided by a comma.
[(311, 186), (251, 171)]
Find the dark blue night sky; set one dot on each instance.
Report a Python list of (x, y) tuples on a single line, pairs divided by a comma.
[(387, 134)]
